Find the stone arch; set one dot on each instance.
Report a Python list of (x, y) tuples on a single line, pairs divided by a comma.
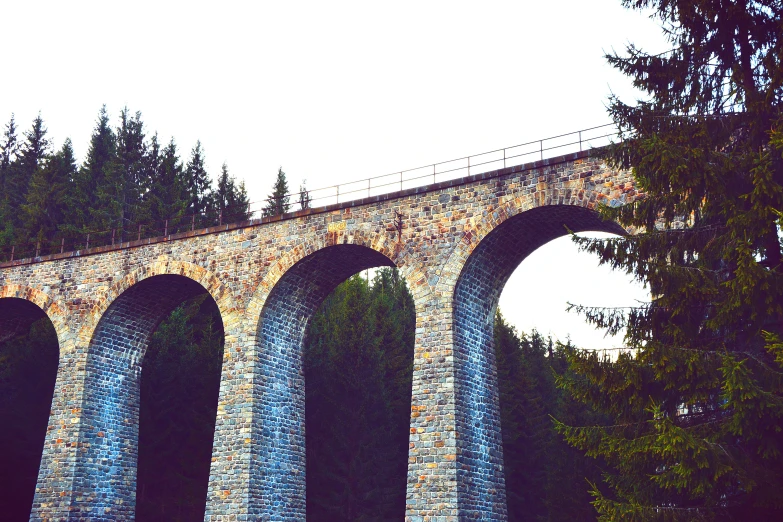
[(360, 236), (116, 338), (164, 265), (51, 307), (474, 276), (279, 311), (38, 377)]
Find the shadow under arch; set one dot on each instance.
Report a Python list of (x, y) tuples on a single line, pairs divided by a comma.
[(105, 475), (279, 457), (29, 360), (480, 480)]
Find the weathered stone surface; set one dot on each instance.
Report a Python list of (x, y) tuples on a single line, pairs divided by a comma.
[(460, 242)]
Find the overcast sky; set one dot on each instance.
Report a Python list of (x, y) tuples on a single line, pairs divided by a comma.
[(337, 91)]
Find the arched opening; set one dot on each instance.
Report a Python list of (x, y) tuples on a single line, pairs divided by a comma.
[(476, 296), (331, 400), (29, 355), (153, 373)]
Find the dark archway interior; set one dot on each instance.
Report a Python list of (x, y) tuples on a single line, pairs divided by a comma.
[(281, 406), (476, 297), (29, 355), (153, 378)]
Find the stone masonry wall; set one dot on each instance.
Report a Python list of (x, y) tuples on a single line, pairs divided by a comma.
[(266, 278)]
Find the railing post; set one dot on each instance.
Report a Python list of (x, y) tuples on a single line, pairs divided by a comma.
[(433, 174), (504, 158), (468, 165), (62, 245), (113, 232), (400, 181), (13, 248), (541, 148), (580, 141), (87, 247), (139, 238), (166, 228), (193, 222), (220, 218), (338, 193), (37, 248), (369, 184)]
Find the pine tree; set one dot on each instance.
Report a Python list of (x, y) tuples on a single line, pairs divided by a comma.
[(101, 154), (46, 202), (279, 201), (33, 152), (229, 201), (9, 150), (697, 408), (197, 182), (117, 193), (167, 198)]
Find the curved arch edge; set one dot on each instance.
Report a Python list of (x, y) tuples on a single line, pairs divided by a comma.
[(165, 265)]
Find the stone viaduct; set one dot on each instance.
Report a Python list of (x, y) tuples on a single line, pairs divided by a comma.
[(460, 241)]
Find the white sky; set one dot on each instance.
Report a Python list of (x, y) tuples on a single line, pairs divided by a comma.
[(336, 91)]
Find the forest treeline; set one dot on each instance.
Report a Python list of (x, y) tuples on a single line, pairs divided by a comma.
[(128, 177)]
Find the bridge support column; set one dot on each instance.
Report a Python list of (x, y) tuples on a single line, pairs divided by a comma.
[(433, 452), (455, 467), (62, 447)]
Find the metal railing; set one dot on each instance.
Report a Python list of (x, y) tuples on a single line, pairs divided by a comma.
[(591, 137), (514, 155)]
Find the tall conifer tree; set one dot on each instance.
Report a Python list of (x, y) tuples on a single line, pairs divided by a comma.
[(118, 191), (101, 154), (32, 154), (197, 182), (229, 200), (697, 429), (279, 201), (47, 201), (9, 149)]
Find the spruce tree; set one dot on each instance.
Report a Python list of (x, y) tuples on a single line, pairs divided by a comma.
[(279, 201), (697, 406), (229, 201), (47, 201), (197, 182), (167, 197), (117, 193), (32, 154), (101, 154), (9, 150)]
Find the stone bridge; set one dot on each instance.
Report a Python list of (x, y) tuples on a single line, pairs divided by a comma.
[(459, 242)]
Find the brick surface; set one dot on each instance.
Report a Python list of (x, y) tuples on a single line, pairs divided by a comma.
[(460, 242)]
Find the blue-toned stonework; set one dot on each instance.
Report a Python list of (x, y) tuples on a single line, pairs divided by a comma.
[(459, 243)]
